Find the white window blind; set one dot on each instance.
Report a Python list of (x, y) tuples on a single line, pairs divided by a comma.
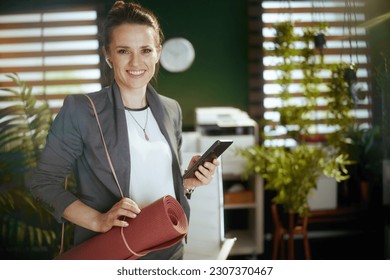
[(346, 41), (56, 52)]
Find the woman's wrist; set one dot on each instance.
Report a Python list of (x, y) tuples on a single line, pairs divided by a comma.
[(188, 190), (96, 223), (84, 216)]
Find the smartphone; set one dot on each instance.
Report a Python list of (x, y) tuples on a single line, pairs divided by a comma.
[(212, 153)]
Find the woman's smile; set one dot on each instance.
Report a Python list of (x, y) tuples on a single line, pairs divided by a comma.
[(136, 73)]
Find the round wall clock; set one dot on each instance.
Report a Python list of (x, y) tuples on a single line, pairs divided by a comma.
[(177, 55)]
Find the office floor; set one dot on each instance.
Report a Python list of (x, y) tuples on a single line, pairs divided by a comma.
[(348, 233), (347, 246), (333, 243)]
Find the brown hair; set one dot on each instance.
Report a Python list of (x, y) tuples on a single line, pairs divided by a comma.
[(133, 13)]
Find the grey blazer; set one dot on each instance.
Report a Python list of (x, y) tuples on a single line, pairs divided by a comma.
[(74, 143)]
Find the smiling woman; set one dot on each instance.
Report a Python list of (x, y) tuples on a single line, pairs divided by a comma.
[(141, 131)]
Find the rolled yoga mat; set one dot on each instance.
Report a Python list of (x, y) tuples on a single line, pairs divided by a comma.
[(158, 226)]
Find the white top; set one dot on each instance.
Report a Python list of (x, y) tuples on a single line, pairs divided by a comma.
[(151, 161)]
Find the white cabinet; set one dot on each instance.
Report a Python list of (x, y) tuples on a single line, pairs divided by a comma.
[(206, 237), (244, 219), (205, 234)]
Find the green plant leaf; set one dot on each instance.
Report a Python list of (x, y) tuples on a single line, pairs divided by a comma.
[(23, 126)]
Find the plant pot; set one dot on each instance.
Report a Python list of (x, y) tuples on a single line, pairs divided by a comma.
[(320, 41), (312, 138), (350, 74)]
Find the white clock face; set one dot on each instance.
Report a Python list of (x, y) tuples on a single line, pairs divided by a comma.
[(177, 55)]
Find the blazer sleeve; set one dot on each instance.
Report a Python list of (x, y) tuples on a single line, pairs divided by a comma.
[(63, 145)]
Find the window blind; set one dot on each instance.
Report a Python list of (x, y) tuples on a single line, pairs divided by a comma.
[(56, 52), (346, 41)]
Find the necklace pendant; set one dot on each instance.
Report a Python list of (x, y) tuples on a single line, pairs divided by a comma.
[(143, 128), (146, 136)]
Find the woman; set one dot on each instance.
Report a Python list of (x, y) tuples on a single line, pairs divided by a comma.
[(142, 130)]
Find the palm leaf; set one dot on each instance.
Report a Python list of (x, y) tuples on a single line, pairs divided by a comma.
[(23, 126), (12, 110)]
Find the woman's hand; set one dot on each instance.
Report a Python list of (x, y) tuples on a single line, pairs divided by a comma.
[(114, 217), (203, 175), (89, 218)]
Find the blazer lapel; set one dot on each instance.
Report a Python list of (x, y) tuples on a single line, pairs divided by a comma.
[(113, 121)]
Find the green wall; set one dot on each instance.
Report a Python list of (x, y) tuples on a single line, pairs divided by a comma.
[(379, 38)]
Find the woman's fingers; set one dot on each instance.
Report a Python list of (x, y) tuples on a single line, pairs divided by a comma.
[(206, 171), (204, 174), (115, 216), (202, 178), (126, 207), (130, 205)]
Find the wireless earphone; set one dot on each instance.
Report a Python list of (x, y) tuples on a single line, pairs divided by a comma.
[(108, 62)]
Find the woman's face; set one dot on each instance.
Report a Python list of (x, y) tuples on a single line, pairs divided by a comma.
[(133, 53)]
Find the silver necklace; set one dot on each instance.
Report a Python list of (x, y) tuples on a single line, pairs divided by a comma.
[(146, 122)]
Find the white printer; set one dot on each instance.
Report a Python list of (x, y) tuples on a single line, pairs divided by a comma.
[(213, 123)]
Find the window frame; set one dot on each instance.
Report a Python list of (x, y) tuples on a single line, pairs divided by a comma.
[(53, 77), (257, 69)]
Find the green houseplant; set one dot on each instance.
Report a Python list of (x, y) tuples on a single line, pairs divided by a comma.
[(292, 173), (366, 154), (27, 230), (301, 117)]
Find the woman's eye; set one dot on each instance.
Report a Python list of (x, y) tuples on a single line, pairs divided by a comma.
[(147, 50), (123, 51)]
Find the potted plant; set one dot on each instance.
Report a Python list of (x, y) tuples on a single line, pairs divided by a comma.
[(292, 172), (292, 175), (364, 152), (27, 230), (300, 118)]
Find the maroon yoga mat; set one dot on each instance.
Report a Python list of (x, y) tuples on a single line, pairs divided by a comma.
[(159, 225)]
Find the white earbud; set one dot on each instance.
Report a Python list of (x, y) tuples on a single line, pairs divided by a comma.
[(108, 62)]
